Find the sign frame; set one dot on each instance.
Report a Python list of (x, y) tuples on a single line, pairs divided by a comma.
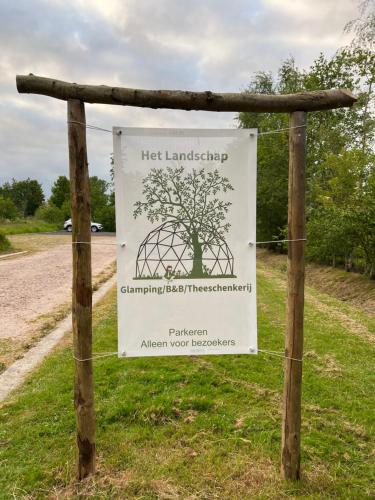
[(228, 152)]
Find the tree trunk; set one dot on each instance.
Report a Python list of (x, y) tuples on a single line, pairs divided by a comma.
[(197, 271)]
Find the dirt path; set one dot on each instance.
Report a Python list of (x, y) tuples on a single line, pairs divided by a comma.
[(15, 375), (34, 284)]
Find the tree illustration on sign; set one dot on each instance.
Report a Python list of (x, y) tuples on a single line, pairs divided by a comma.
[(190, 200)]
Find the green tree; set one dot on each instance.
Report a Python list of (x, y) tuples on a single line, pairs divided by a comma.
[(342, 226), (191, 200), (98, 195), (27, 195), (363, 26), (106, 216), (332, 237), (272, 176), (102, 202), (330, 134), (60, 191)]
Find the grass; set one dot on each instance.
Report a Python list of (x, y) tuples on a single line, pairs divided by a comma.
[(351, 287), (37, 242), (29, 225), (201, 427)]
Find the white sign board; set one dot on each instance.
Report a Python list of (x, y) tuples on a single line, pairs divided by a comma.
[(185, 215)]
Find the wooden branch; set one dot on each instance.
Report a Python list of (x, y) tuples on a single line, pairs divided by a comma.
[(178, 99)]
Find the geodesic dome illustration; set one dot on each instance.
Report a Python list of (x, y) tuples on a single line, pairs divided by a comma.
[(167, 250)]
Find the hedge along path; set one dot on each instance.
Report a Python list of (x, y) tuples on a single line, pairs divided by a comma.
[(297, 105)]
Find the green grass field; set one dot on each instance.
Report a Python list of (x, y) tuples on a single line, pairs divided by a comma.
[(29, 225), (203, 427)]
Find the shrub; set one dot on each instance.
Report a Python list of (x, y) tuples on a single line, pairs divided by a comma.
[(4, 243), (65, 209), (8, 210), (106, 216), (50, 213)]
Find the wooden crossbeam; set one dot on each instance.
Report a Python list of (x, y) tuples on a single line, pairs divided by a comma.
[(184, 99)]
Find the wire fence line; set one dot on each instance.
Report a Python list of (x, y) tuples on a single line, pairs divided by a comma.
[(123, 244), (115, 353), (266, 132)]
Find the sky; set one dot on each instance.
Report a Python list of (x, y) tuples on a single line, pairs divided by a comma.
[(212, 45)]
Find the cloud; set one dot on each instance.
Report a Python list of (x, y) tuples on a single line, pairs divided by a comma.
[(199, 45)]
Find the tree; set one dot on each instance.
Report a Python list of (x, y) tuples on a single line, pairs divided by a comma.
[(191, 200), (107, 216), (272, 176), (60, 192), (98, 195), (347, 135), (101, 202), (332, 237), (27, 195), (341, 225), (363, 26)]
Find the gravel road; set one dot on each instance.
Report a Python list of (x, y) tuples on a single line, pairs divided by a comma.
[(34, 284)]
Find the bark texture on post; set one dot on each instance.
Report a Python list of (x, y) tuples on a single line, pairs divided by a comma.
[(82, 289), (291, 424), (184, 99)]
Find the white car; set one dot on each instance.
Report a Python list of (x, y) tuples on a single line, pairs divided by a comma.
[(95, 226)]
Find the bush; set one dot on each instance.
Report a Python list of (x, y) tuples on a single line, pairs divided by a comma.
[(106, 216), (4, 243), (65, 209), (8, 210), (50, 213)]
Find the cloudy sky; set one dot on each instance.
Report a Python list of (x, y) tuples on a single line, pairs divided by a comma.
[(177, 44)]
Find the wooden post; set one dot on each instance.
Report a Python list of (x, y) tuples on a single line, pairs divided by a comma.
[(291, 424), (82, 289)]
